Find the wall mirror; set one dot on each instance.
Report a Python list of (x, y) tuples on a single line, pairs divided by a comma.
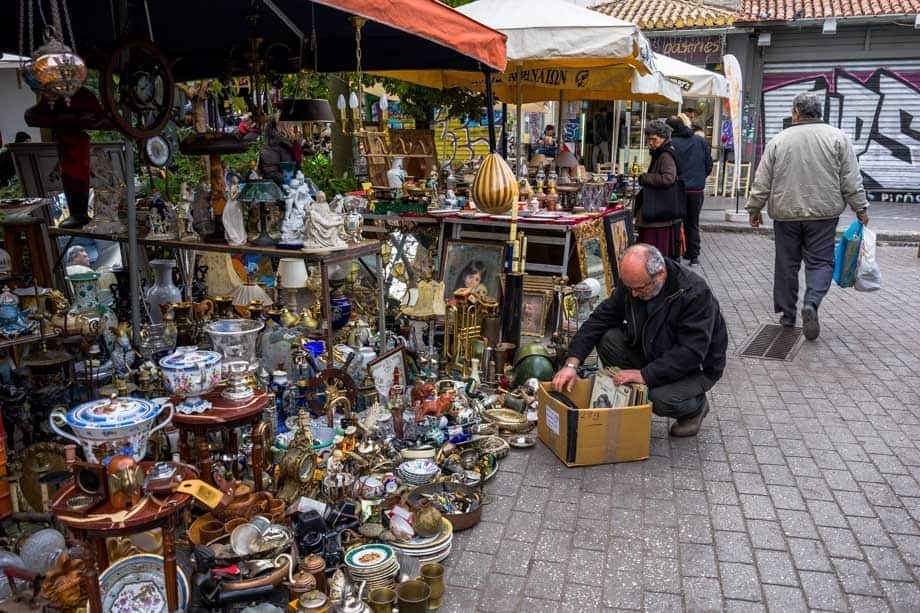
[(593, 259)]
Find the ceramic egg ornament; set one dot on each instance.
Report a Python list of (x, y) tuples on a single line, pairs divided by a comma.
[(495, 189)]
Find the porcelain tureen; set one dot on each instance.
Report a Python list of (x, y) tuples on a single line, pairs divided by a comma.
[(112, 426)]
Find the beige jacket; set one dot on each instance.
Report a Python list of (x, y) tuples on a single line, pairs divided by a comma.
[(808, 171)]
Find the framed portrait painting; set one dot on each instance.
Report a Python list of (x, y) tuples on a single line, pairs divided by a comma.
[(381, 370), (534, 310), (619, 229), (476, 265)]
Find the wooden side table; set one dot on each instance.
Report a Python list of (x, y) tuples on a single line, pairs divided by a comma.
[(229, 415), (104, 522)]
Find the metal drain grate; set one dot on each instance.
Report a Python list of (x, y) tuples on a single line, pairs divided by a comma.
[(772, 342)]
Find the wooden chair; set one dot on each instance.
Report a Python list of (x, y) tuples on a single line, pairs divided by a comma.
[(744, 184), (712, 181)]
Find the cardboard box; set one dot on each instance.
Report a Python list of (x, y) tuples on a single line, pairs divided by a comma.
[(584, 437)]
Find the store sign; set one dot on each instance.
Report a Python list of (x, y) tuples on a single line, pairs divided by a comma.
[(697, 50)]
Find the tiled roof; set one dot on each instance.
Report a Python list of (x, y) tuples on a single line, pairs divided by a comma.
[(667, 14), (788, 10)]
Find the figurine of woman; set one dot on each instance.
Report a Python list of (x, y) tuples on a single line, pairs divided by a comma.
[(234, 225), (295, 211), (123, 354), (323, 229)]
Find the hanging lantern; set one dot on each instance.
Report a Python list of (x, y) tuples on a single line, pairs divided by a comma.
[(495, 189), (57, 70)]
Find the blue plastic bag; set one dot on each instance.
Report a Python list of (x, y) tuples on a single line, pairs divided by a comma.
[(846, 256)]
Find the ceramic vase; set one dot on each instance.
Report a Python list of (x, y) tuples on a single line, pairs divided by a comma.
[(341, 310), (163, 290), (494, 189), (86, 305)]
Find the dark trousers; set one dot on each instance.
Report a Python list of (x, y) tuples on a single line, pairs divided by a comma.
[(692, 224), (682, 398), (812, 241)]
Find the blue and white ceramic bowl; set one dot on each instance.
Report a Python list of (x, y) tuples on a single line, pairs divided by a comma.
[(112, 426), (190, 372)]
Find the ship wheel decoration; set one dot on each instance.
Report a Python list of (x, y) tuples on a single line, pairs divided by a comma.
[(137, 89), (334, 380)]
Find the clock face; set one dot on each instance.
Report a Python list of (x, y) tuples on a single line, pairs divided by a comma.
[(307, 465), (143, 89), (157, 150)]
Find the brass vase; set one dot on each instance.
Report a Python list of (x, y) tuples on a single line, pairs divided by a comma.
[(413, 596), (433, 575), (382, 599)]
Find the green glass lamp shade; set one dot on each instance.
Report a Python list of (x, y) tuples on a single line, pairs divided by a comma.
[(261, 192)]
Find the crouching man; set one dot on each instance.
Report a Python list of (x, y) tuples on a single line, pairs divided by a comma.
[(663, 328)]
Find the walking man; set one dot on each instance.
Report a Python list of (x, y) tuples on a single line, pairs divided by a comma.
[(694, 163), (664, 328), (807, 176)]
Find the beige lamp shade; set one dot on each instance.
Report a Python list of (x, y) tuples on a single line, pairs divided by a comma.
[(292, 273), (566, 159)]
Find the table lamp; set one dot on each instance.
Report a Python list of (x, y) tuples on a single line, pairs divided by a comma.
[(262, 192)]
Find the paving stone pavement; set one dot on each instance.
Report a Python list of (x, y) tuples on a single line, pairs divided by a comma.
[(800, 493)]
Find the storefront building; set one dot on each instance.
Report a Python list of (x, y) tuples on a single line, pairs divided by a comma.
[(692, 32), (865, 67)]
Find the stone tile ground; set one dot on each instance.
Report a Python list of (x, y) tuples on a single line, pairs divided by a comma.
[(801, 492)]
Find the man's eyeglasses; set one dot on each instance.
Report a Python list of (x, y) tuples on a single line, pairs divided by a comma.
[(642, 288)]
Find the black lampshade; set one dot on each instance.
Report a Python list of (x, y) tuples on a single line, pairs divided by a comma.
[(306, 109)]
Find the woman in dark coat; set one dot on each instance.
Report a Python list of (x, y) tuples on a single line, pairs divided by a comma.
[(662, 173)]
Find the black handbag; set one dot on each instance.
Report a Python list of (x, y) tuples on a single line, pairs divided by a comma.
[(658, 204)]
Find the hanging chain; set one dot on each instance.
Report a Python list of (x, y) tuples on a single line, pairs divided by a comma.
[(314, 43), (73, 41), (31, 28), (56, 19), (22, 29)]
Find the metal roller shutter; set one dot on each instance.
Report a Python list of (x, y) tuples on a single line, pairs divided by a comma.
[(876, 103)]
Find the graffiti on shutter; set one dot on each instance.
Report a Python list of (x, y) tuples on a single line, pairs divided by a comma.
[(879, 110)]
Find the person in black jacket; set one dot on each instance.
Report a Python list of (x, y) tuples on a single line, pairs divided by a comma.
[(694, 161), (664, 328)]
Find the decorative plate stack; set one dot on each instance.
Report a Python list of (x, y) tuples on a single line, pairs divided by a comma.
[(430, 549), (418, 472), (375, 563)]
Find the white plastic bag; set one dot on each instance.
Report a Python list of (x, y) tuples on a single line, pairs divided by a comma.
[(868, 276)]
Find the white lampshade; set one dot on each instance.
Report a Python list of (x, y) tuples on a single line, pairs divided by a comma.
[(340, 103), (246, 293), (292, 273), (353, 100)]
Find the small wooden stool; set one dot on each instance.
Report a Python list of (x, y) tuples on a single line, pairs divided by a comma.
[(224, 414), (93, 529)]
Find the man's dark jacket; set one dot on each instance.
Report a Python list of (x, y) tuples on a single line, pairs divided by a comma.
[(682, 335), (693, 158)]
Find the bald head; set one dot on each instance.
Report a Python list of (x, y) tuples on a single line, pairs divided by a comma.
[(643, 271)]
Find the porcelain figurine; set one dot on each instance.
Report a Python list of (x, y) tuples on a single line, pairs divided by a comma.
[(323, 229), (233, 220), (396, 176), (354, 220), (451, 199), (161, 218), (108, 193), (123, 355), (184, 227), (202, 221), (296, 203)]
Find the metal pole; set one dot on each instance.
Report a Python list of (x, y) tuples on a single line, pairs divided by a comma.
[(133, 253), (490, 103), (381, 300), (615, 134), (505, 130), (519, 127)]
